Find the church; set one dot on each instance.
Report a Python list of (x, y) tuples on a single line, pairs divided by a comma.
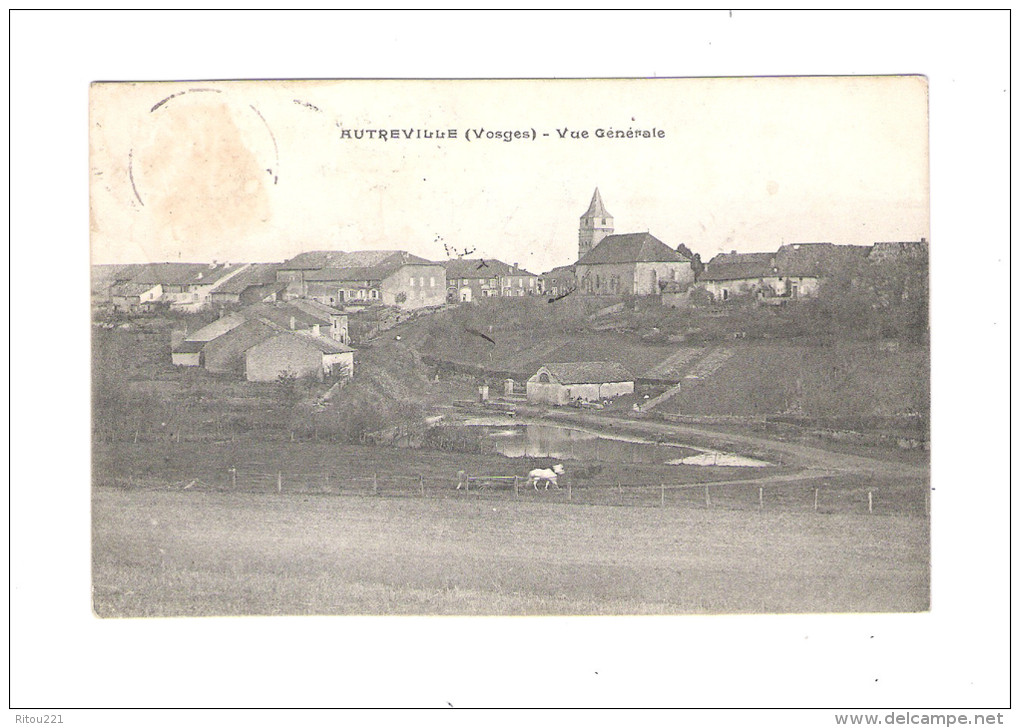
[(611, 264)]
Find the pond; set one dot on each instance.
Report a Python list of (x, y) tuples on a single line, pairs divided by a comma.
[(531, 439)]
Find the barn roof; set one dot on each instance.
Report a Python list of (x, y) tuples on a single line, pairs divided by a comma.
[(181, 274), (189, 347), (631, 248), (481, 268), (737, 266), (131, 289), (589, 372), (323, 343), (815, 259), (562, 271), (257, 274), (217, 328), (338, 259)]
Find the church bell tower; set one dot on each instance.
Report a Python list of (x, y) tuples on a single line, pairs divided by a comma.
[(596, 224)]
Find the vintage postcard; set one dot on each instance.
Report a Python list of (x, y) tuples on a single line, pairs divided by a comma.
[(516, 347)]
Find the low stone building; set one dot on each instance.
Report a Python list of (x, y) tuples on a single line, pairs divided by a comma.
[(588, 381), (299, 354)]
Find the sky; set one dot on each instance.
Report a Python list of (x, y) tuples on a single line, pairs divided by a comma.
[(261, 170)]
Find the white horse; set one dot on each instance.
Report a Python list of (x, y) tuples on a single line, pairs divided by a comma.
[(549, 476)]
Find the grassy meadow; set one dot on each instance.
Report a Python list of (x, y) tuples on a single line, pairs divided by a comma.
[(160, 553)]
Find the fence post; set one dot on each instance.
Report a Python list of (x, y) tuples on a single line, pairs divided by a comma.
[(516, 488), (233, 478), (375, 484), (568, 489), (279, 481), (816, 499), (869, 502), (708, 498), (761, 497), (662, 495), (327, 480), (421, 484)]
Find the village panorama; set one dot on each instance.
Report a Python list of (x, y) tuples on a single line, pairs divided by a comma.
[(637, 432)]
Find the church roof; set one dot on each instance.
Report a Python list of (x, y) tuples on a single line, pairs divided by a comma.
[(596, 208), (631, 248)]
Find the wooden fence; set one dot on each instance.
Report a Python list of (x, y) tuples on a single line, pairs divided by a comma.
[(815, 495)]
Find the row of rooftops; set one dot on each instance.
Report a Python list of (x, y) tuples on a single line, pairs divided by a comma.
[(800, 259), (298, 317), (803, 260)]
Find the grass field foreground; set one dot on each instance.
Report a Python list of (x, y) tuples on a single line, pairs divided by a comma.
[(159, 553)]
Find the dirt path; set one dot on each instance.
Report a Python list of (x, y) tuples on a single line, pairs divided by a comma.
[(806, 456)]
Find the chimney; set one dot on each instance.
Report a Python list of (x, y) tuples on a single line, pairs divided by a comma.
[(923, 241), (315, 329), (733, 252), (293, 322)]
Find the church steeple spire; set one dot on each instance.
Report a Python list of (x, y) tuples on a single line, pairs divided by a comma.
[(596, 224), (596, 208)]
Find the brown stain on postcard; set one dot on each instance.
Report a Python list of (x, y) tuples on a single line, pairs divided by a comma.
[(198, 177)]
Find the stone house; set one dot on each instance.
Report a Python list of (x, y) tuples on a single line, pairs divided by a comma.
[(132, 297), (558, 282), (590, 381), (390, 277), (301, 354), (468, 279)]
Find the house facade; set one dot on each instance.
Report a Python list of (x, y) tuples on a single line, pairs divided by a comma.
[(793, 272), (132, 297), (566, 383), (468, 279), (558, 282), (389, 277), (300, 354)]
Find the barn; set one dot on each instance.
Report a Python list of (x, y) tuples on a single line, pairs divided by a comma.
[(588, 381), (299, 353)]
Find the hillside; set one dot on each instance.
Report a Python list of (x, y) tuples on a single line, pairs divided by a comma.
[(737, 360)]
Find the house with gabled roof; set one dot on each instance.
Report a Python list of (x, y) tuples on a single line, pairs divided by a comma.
[(390, 277), (130, 297), (298, 354), (794, 271), (558, 282), (256, 283), (588, 381), (468, 279), (220, 345)]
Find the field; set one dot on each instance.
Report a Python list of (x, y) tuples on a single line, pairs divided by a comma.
[(160, 553), (214, 496)]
